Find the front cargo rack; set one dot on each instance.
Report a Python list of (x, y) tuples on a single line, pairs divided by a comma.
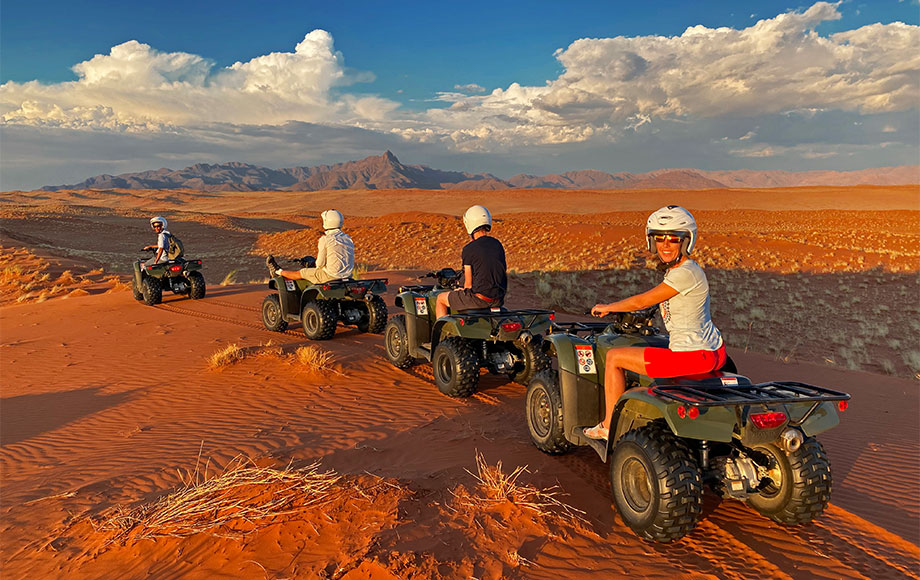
[(576, 327)]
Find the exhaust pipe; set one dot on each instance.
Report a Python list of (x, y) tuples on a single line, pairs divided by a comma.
[(791, 440)]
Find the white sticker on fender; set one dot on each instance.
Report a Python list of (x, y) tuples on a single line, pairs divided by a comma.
[(729, 380), (585, 355), (289, 284), (421, 306)]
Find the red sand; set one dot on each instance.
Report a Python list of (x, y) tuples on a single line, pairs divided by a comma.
[(106, 402)]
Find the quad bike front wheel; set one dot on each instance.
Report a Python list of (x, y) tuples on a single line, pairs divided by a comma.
[(656, 485), (799, 484), (318, 319), (396, 342), (534, 361), (543, 406), (196, 285), (137, 291), (272, 317), (455, 367), (152, 291), (376, 316)]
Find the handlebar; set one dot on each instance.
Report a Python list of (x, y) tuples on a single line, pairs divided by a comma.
[(445, 277)]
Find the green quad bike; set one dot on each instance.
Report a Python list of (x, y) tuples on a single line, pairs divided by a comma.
[(506, 342), (751, 442), (180, 275), (320, 307)]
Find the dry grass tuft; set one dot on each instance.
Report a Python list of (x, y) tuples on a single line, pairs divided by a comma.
[(239, 500), (226, 356), (230, 278), (314, 359), (495, 487)]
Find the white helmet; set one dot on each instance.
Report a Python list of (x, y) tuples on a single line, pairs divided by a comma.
[(476, 217), (158, 220), (332, 219), (670, 219)]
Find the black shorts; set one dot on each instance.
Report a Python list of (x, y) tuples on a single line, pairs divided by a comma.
[(466, 299)]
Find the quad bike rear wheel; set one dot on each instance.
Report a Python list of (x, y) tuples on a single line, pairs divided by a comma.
[(376, 316), (272, 317), (535, 360), (455, 367), (196, 285), (656, 485), (152, 291), (318, 319), (799, 484), (396, 342), (544, 414)]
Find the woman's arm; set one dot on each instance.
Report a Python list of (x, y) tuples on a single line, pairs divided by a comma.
[(656, 295)]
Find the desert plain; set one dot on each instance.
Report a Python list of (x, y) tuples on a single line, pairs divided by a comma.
[(187, 441)]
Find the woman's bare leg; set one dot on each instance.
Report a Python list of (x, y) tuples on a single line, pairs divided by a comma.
[(629, 358)]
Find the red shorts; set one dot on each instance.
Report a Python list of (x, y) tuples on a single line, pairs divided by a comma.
[(663, 363)]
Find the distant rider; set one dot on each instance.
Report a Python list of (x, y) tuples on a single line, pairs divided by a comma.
[(335, 254), (695, 345), (485, 278), (158, 224)]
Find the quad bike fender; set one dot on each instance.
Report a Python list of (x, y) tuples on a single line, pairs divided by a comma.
[(443, 328), (562, 347), (821, 419), (638, 406)]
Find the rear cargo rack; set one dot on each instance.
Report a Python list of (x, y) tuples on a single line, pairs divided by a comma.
[(709, 395), (353, 283), (576, 327)]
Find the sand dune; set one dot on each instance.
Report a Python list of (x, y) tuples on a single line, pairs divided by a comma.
[(111, 405)]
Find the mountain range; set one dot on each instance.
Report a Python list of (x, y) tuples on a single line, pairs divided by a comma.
[(386, 172)]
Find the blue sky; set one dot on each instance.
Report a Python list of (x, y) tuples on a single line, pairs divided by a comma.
[(504, 87)]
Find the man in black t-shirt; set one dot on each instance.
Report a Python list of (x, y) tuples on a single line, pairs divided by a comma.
[(485, 278)]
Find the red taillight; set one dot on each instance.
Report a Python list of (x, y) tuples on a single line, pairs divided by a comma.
[(198, 262), (691, 413), (511, 326), (843, 405), (175, 268), (552, 316), (327, 287), (462, 322), (768, 420)]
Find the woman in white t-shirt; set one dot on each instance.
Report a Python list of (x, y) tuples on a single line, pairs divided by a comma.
[(695, 345)]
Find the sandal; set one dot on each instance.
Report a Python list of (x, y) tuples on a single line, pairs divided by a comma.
[(597, 432)]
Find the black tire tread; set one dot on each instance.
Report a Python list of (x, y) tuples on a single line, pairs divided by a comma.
[(197, 287), (404, 360), (555, 443), (680, 506), (811, 485), (328, 320), (376, 316), (273, 300), (152, 291), (535, 361), (466, 370)]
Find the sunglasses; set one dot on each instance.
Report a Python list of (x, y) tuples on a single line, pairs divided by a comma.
[(671, 239), (157, 226)]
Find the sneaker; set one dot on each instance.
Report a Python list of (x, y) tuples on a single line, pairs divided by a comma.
[(272, 264), (597, 432)]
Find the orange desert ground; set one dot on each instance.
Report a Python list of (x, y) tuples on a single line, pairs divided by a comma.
[(130, 449)]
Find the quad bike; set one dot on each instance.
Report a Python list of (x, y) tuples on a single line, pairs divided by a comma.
[(320, 307), (506, 342), (751, 442), (182, 276)]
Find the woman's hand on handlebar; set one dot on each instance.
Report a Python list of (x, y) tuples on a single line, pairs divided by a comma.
[(600, 310)]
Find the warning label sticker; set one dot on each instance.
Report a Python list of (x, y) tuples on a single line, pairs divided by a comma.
[(729, 380), (289, 284), (585, 355), (421, 306)]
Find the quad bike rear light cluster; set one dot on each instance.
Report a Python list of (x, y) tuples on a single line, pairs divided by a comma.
[(691, 413), (175, 268), (511, 326), (769, 420)]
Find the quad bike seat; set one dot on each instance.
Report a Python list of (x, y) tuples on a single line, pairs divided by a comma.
[(710, 379)]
